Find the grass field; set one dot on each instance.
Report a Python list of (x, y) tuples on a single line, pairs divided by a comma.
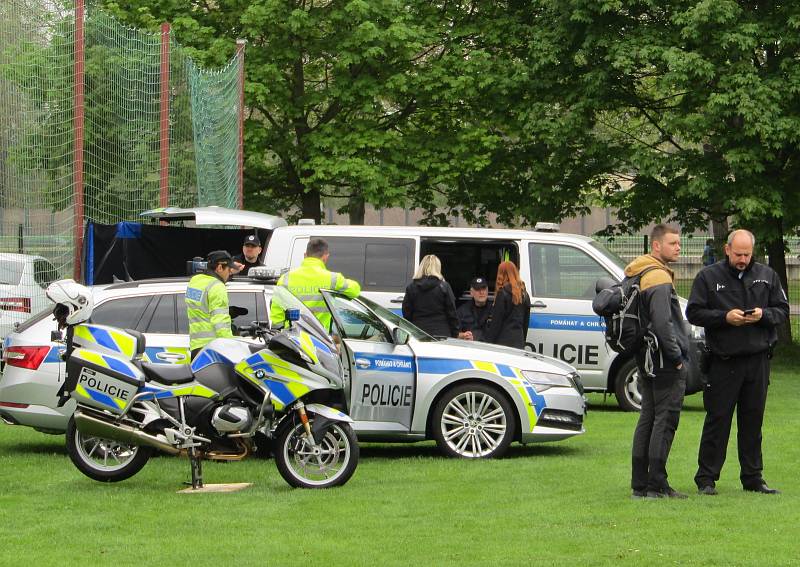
[(558, 504)]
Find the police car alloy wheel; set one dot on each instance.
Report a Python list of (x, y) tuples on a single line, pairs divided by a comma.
[(473, 421), (103, 459), (626, 387)]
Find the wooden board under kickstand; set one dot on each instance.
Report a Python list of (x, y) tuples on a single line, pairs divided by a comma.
[(209, 488)]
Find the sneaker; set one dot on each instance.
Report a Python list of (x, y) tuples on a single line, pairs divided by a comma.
[(707, 490), (638, 494)]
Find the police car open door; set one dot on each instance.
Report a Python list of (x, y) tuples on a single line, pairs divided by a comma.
[(382, 373)]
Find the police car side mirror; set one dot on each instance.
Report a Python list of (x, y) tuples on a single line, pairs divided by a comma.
[(399, 336)]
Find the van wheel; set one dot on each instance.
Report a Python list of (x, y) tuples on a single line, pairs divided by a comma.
[(626, 386), (473, 421)]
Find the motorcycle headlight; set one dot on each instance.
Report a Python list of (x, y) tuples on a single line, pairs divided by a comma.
[(542, 381)]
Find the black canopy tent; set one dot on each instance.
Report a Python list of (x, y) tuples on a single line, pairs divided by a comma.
[(133, 251)]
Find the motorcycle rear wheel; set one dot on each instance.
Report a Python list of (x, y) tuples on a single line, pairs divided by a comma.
[(331, 465), (104, 460)]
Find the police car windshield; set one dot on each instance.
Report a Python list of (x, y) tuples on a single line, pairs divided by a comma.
[(395, 319)]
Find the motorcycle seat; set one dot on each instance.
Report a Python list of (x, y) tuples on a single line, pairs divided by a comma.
[(167, 373)]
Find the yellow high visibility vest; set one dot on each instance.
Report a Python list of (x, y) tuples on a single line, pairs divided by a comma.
[(207, 308), (305, 281)]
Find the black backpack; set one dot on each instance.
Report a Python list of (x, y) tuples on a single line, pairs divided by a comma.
[(619, 305)]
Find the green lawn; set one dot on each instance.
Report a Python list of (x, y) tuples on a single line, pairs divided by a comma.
[(560, 504)]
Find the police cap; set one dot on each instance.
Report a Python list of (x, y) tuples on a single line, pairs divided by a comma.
[(478, 283), (218, 257)]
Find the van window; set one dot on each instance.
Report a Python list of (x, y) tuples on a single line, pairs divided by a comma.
[(463, 260), (563, 271), (378, 264)]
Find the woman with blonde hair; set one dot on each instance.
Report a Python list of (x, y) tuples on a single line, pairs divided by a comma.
[(511, 310), (429, 302)]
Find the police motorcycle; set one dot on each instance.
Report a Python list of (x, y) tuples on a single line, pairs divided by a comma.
[(212, 409)]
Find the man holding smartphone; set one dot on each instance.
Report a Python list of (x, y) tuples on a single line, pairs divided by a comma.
[(740, 303)]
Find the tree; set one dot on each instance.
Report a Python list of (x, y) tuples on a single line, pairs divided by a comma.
[(701, 99), (365, 100)]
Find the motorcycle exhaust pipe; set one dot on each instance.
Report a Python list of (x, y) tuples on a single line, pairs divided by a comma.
[(89, 425)]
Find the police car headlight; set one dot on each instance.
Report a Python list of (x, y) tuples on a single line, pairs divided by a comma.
[(542, 381)]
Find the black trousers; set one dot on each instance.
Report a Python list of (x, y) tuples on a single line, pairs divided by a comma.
[(736, 383), (662, 398)]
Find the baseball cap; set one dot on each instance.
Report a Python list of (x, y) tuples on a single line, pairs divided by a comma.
[(218, 257), (478, 283), (252, 239)]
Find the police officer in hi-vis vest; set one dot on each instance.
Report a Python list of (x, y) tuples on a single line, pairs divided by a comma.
[(207, 302), (306, 280)]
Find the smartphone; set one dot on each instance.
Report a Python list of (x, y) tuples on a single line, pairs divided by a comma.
[(749, 311)]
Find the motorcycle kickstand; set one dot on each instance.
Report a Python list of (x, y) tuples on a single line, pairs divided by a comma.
[(196, 463), (194, 459)]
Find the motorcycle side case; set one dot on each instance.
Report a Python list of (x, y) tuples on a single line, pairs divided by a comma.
[(105, 381), (109, 340)]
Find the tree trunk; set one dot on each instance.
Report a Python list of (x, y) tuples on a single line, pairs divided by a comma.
[(356, 208), (312, 205), (777, 261), (719, 231)]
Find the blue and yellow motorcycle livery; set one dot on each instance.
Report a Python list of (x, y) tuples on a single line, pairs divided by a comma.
[(287, 389)]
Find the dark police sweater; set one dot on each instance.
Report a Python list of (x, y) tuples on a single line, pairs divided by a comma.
[(429, 304), (719, 288), (474, 318)]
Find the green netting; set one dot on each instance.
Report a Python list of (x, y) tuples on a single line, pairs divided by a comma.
[(122, 143), (215, 106)]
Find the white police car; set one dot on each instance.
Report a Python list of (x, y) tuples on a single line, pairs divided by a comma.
[(474, 399)]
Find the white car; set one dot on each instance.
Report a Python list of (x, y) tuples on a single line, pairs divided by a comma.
[(22, 284)]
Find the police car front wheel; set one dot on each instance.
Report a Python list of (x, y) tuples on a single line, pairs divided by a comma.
[(473, 421)]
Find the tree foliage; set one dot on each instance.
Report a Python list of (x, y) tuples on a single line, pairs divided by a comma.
[(702, 100)]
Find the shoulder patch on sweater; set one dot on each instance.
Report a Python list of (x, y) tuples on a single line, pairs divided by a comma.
[(654, 278)]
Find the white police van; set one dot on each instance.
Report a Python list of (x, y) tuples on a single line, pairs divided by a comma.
[(560, 271)]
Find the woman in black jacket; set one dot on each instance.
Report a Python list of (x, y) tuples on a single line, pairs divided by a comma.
[(429, 302), (511, 311)]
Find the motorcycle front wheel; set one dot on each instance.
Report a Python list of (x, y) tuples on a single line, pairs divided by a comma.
[(331, 463), (103, 459)]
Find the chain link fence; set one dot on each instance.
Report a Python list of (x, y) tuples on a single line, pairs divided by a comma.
[(157, 129)]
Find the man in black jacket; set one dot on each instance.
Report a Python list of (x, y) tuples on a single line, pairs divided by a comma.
[(661, 362), (474, 314), (740, 303)]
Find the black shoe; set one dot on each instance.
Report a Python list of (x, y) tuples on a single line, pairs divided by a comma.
[(638, 494), (707, 490), (668, 492), (762, 489)]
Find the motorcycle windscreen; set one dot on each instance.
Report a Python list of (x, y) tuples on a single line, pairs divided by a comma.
[(307, 322)]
